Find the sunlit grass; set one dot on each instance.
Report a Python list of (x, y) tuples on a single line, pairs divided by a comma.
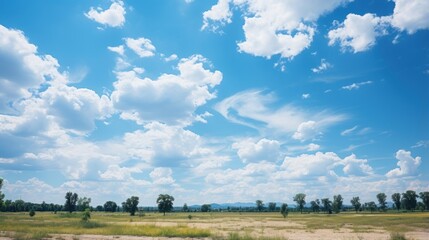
[(179, 225)]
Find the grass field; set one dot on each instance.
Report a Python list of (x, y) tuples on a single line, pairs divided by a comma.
[(219, 225)]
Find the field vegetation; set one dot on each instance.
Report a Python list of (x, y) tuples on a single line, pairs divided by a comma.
[(219, 225)]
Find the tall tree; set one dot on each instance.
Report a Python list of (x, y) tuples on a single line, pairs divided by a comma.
[(185, 208), (337, 204), (315, 205), (409, 198), (71, 199), (382, 201), (272, 206), (425, 199), (371, 206), (356, 203), (165, 203), (110, 206), (83, 203), (1, 194), (284, 210), (259, 205), (327, 205), (396, 198), (130, 205), (300, 200)]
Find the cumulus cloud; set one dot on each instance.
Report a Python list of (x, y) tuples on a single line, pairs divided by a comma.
[(162, 176), (253, 109), (359, 33), (272, 27), (141, 46), (251, 151), (407, 165), (410, 15), (356, 167), (307, 130), (115, 172), (323, 165), (114, 16), (170, 99), (119, 49), (23, 70), (219, 13), (324, 65), (355, 86)]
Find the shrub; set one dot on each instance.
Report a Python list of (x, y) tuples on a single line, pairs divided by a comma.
[(32, 213), (86, 215)]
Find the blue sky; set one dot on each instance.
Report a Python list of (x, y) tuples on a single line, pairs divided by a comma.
[(213, 101)]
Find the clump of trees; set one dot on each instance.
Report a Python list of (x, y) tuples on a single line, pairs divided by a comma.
[(71, 200), (300, 200), (110, 206)]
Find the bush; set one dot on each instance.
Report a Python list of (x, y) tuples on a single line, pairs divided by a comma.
[(32, 213), (86, 215), (190, 216), (397, 236)]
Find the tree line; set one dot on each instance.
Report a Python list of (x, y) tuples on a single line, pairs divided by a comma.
[(408, 200)]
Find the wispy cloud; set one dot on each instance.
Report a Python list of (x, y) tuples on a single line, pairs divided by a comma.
[(355, 86), (324, 65)]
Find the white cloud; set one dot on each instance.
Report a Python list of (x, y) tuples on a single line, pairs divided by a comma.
[(407, 165), (23, 70), (421, 144), (264, 149), (114, 16), (119, 49), (356, 167), (313, 147), (314, 165), (164, 145), (307, 130), (252, 108), (272, 27), (348, 131), (76, 108), (115, 172), (306, 96), (355, 86), (324, 65), (170, 58), (359, 32), (141, 46), (162, 176), (218, 13), (411, 15), (170, 99)]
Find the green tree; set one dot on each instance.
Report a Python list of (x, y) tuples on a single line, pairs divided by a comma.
[(130, 205), (110, 206), (382, 201), (86, 215), (206, 208), (32, 213), (272, 206), (371, 206), (396, 198), (409, 198), (284, 210), (356, 203), (315, 205), (71, 200), (425, 199), (1, 194), (165, 203), (259, 205), (337, 204), (327, 205), (300, 200), (83, 203), (185, 208)]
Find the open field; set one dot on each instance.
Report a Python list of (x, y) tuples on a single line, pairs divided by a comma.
[(215, 226)]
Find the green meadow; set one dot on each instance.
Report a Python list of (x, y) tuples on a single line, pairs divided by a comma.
[(217, 225)]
